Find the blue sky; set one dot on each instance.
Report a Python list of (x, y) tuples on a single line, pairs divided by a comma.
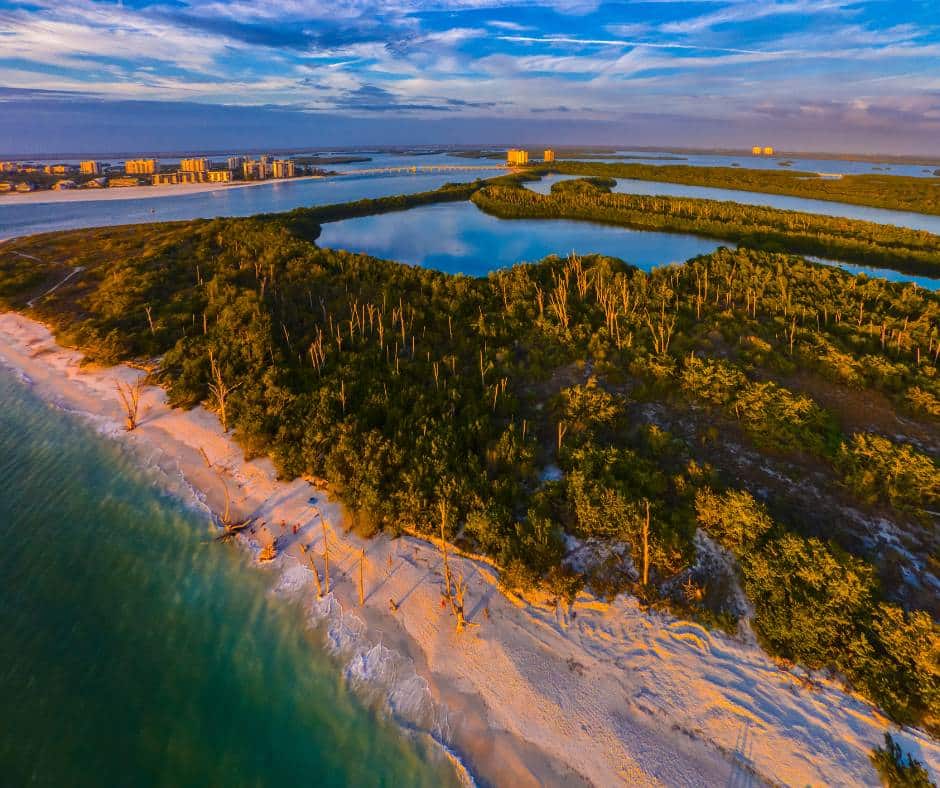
[(144, 74)]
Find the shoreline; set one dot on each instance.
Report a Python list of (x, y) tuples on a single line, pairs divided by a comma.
[(534, 695), (50, 197)]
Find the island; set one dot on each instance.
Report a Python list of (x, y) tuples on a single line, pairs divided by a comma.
[(721, 446)]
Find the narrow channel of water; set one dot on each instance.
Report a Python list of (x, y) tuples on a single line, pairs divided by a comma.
[(134, 651), (914, 221)]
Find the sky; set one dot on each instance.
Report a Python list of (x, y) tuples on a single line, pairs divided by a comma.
[(151, 75)]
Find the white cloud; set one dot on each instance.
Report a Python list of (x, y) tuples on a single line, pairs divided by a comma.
[(749, 11)]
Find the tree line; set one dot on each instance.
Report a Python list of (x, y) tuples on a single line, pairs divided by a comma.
[(849, 240), (893, 192)]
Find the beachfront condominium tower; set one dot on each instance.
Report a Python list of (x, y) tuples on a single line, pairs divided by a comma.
[(140, 166), (282, 168), (194, 165)]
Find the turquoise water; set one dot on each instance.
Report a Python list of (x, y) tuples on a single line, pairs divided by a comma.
[(136, 652)]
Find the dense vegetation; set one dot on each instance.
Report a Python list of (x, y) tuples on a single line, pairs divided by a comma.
[(895, 192), (897, 769), (571, 416), (849, 240), (584, 185)]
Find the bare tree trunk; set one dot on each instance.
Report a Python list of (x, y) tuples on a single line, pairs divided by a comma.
[(646, 546), (362, 596), (443, 507), (326, 555), (454, 591), (220, 391), (313, 566), (130, 399)]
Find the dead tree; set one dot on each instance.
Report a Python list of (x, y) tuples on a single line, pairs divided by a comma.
[(313, 566), (443, 508), (230, 527), (362, 595), (562, 429), (326, 554), (661, 331), (220, 391), (130, 399), (453, 590)]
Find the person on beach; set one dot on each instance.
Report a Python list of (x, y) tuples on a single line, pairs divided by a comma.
[(393, 605)]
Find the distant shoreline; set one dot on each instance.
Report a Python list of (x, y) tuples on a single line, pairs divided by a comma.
[(926, 159), (48, 196)]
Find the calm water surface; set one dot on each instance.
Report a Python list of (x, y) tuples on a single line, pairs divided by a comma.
[(459, 238), (25, 219), (135, 652), (272, 197), (773, 163)]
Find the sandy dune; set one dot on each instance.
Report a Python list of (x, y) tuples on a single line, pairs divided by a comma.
[(606, 694)]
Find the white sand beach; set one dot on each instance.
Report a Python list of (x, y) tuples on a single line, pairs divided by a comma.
[(606, 694)]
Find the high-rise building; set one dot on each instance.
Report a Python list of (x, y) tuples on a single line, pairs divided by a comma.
[(282, 168), (235, 163), (90, 168), (516, 157), (757, 150), (259, 169), (194, 165), (768, 151), (140, 166), (548, 156), (253, 170)]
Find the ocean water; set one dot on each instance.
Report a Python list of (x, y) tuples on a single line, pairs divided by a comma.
[(135, 651)]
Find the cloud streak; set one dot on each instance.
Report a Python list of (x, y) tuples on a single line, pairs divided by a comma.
[(817, 61)]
